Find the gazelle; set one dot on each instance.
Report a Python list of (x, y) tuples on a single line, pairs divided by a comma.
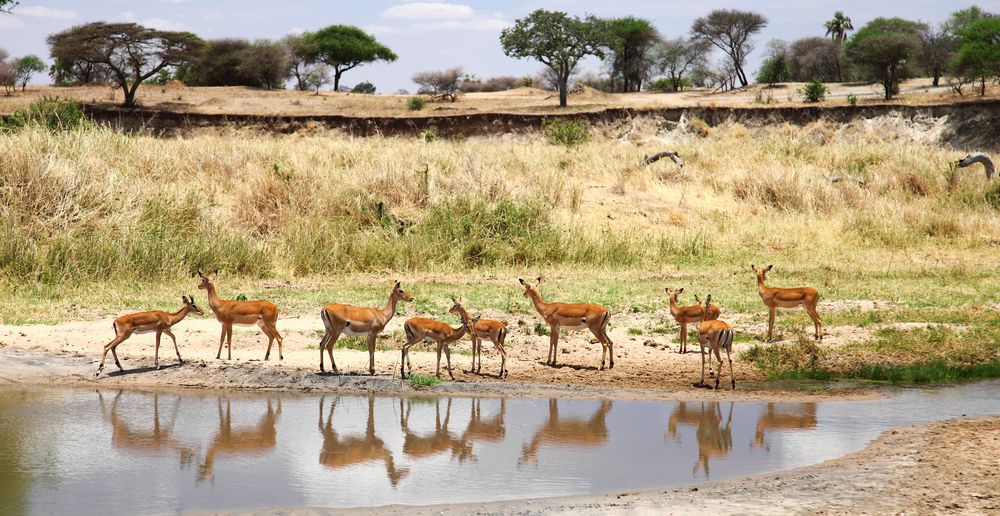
[(715, 335), (146, 322), (496, 331), (350, 320), (787, 298), (685, 315), (572, 316), (430, 330), (245, 313)]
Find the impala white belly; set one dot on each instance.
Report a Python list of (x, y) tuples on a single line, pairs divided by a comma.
[(352, 332), (144, 329), (578, 326)]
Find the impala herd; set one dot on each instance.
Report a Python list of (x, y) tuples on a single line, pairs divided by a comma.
[(714, 335)]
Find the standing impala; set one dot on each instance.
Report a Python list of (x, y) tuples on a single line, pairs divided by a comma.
[(147, 322), (685, 315), (715, 335), (787, 298), (245, 313), (423, 329), (496, 331), (351, 320), (572, 316)]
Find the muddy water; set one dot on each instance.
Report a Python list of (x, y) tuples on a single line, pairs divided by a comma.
[(85, 451)]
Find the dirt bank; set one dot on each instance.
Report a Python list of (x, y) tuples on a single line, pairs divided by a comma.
[(944, 467)]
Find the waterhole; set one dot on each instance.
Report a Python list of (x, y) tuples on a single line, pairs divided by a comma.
[(85, 451)]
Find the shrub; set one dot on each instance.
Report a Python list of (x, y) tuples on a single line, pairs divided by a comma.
[(814, 91), (52, 113), (568, 132), (366, 88), (416, 103), (419, 380), (852, 99)]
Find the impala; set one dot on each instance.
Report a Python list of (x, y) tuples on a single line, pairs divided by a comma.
[(715, 335), (715, 439), (351, 320), (787, 298), (346, 452), (146, 322), (685, 315), (423, 329), (567, 431), (255, 440), (496, 331), (245, 313), (422, 445), (572, 316)]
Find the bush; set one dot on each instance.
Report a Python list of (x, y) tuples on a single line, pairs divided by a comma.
[(52, 113), (366, 88), (568, 132), (814, 91), (852, 99), (416, 103)]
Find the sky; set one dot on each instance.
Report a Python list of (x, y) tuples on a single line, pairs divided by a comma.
[(434, 35)]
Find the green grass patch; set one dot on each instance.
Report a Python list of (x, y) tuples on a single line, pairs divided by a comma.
[(928, 372), (418, 380)]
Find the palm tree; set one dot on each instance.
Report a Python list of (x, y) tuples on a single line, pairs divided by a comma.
[(837, 27)]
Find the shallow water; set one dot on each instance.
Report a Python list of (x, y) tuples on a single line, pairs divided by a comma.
[(85, 451)]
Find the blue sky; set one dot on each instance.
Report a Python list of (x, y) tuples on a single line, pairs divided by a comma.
[(432, 35)]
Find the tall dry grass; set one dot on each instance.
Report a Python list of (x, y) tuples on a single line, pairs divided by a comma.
[(92, 205)]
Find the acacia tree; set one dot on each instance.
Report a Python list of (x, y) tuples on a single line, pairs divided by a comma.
[(817, 58), (936, 50), (444, 83), (26, 67), (344, 47), (301, 57), (557, 40), (885, 49), (730, 31), (7, 5), (129, 52), (978, 57), (675, 58), (266, 63), (632, 40)]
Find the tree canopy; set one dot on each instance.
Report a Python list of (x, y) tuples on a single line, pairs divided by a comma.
[(886, 49), (343, 47), (730, 31), (27, 66), (557, 40), (978, 55), (128, 53), (632, 40), (7, 5), (675, 58), (838, 27)]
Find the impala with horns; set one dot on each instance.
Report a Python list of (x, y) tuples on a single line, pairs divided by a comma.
[(685, 315), (258, 312), (786, 298), (495, 331), (350, 320), (572, 316), (148, 322), (715, 335), (423, 329)]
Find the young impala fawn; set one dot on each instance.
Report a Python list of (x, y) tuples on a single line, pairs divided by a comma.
[(423, 329), (715, 335), (496, 331), (350, 320), (787, 298), (572, 316), (245, 313), (147, 322), (685, 315)]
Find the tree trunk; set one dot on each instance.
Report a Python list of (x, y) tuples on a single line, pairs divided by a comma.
[(129, 96), (336, 80), (937, 78), (982, 86), (563, 90)]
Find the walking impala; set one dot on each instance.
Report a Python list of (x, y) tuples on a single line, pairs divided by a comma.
[(572, 316), (430, 330), (146, 322), (496, 331), (787, 298), (351, 320), (245, 313), (685, 315), (715, 335)]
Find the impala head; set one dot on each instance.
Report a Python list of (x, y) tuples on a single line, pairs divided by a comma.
[(708, 304), (207, 280), (528, 289), (672, 294), (189, 302), (467, 324), (399, 294), (457, 307), (761, 271)]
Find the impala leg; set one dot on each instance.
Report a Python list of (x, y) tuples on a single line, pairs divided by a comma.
[(156, 350), (553, 344), (611, 345), (447, 354), (817, 323), (114, 353), (371, 353), (498, 344), (715, 349), (702, 343), (770, 323), (229, 342), (274, 328), (222, 340), (327, 340), (176, 349), (475, 352), (729, 347), (119, 338), (684, 338), (405, 357), (437, 370), (270, 338), (329, 351)]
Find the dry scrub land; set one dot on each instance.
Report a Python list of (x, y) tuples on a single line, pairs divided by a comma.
[(904, 249)]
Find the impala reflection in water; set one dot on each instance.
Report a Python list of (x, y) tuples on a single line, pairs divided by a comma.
[(83, 451)]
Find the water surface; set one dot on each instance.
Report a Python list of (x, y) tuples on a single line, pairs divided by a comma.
[(86, 451)]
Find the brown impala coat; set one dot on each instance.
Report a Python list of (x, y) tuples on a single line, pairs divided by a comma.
[(339, 319), (572, 316), (787, 298), (685, 315), (264, 314)]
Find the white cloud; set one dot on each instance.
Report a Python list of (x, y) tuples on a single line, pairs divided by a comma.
[(40, 11), (480, 23), (429, 11)]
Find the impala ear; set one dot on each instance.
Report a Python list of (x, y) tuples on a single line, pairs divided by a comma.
[(215, 275), (697, 299), (680, 290), (539, 279), (200, 275), (522, 281), (708, 300), (753, 267), (769, 267)]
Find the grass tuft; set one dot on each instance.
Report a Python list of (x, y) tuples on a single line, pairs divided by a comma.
[(418, 380)]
